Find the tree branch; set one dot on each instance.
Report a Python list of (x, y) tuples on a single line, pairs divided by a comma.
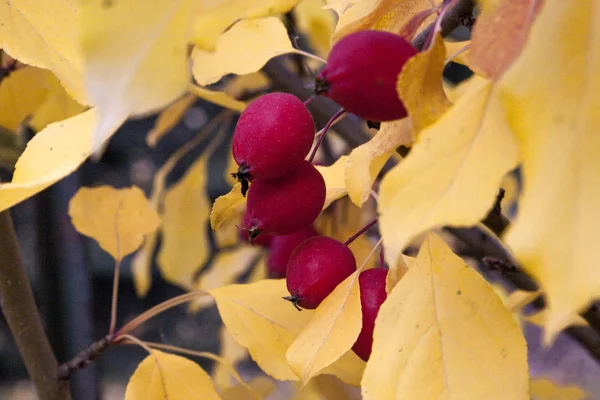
[(20, 310)]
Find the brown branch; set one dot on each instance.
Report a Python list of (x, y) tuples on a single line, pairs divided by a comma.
[(20, 310), (84, 357)]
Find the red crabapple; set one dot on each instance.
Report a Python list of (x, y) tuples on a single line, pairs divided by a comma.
[(272, 137), (361, 74), (281, 249), (286, 204), (372, 295), (315, 268)]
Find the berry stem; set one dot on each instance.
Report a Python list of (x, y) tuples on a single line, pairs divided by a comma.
[(361, 231), (381, 258), (307, 102), (337, 116), (310, 55)]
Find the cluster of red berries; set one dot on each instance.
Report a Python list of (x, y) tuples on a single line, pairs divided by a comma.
[(285, 193)]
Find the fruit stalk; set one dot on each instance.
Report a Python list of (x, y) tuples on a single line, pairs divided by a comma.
[(361, 231), (338, 115)]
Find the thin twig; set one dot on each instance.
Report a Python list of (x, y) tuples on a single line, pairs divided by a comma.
[(21, 313), (361, 231), (82, 360)]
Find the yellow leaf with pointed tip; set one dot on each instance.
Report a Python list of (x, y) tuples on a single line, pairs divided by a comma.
[(366, 161), (225, 269), (37, 94), (554, 115), (540, 319), (169, 118), (261, 385), (260, 320), (135, 59), (248, 83), (232, 352), (47, 39), (185, 245), (217, 16), (389, 15), (52, 154), (521, 298), (444, 333), (226, 205), (317, 23), (262, 38), (420, 85), (167, 376), (452, 174), (397, 271), (334, 176), (330, 333), (546, 389), (339, 6), (118, 219), (349, 368), (218, 98)]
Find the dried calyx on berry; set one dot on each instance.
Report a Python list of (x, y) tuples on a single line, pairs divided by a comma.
[(361, 74), (272, 137)]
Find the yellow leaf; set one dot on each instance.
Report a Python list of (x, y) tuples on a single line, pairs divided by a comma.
[(317, 23), (167, 376), (389, 15), (334, 176), (553, 113), (217, 16), (226, 205), (232, 352), (349, 368), (325, 387), (242, 84), (260, 320), (541, 317), (226, 268), (169, 118), (185, 244), (52, 154), (499, 35), (397, 271), (142, 262), (135, 58), (366, 161), (262, 38), (35, 93), (261, 385), (118, 219), (546, 389), (47, 39), (218, 98), (444, 333), (330, 333), (521, 298), (420, 85), (452, 174), (458, 52)]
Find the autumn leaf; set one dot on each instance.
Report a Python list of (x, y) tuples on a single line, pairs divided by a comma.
[(263, 38), (325, 387), (334, 176), (232, 352), (216, 17), (349, 368), (260, 320), (367, 160), (331, 331), (47, 39), (553, 113), (169, 118), (137, 65), (396, 272), (219, 98), (261, 386), (546, 389), (519, 299), (118, 219), (499, 35), (420, 84), (444, 333), (317, 23), (453, 172), (185, 243), (167, 376), (226, 205)]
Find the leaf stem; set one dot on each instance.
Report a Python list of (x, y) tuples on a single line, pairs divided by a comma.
[(157, 309), (115, 296), (336, 117), (361, 231), (310, 55)]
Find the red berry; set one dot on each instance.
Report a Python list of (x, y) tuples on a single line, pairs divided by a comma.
[(372, 296), (361, 74), (315, 268), (286, 204), (272, 136), (263, 240), (281, 249)]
